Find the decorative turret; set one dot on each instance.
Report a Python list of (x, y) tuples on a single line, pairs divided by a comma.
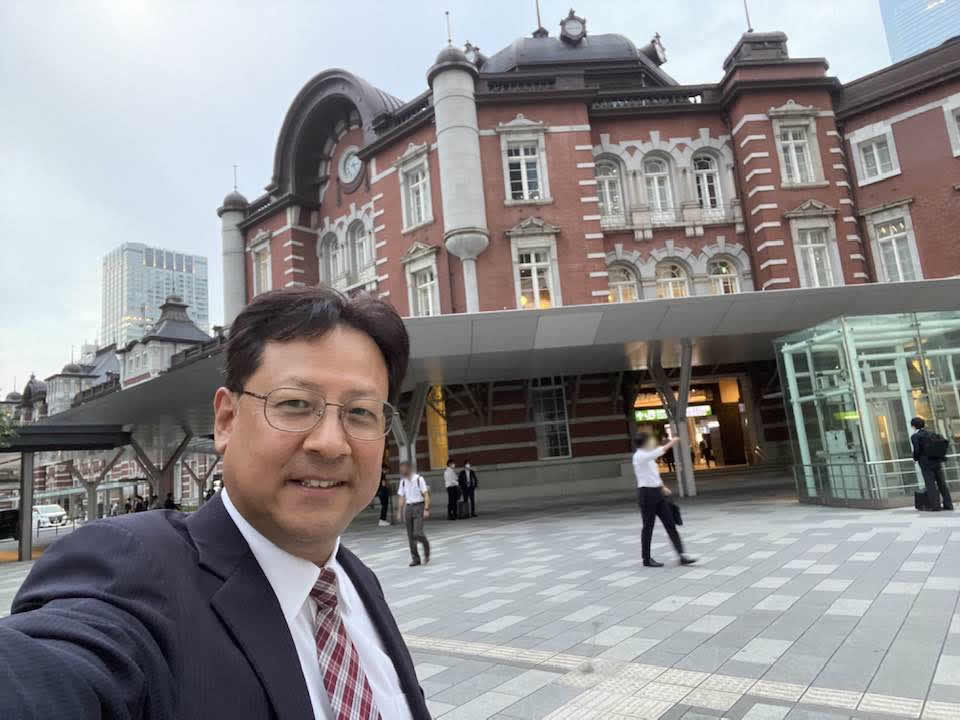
[(231, 214), (452, 79)]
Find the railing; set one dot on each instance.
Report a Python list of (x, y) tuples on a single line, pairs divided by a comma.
[(651, 97), (877, 482), (515, 86), (198, 352), (390, 120), (91, 393)]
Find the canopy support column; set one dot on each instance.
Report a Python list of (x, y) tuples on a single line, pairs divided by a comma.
[(161, 477), (201, 483), (406, 432), (25, 550), (676, 406)]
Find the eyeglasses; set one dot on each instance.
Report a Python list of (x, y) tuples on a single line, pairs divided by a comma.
[(295, 410)]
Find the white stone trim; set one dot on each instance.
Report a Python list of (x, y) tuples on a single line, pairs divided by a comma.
[(567, 128), (815, 222), (583, 147), (590, 199), (951, 111), (773, 261), (893, 212), (426, 260), (378, 196), (587, 182), (768, 224), (290, 271), (764, 206), (798, 116), (600, 293), (861, 275), (845, 201), (759, 189), (769, 244), (750, 117), (288, 258), (378, 213), (380, 261), (528, 242), (596, 256), (380, 176), (776, 281), (850, 219), (837, 151), (522, 130), (857, 256), (292, 243), (599, 273), (593, 236), (751, 138), (754, 155), (589, 218), (854, 238), (416, 157), (382, 243), (381, 228), (833, 133), (842, 183), (586, 164), (840, 166), (867, 134), (758, 171), (383, 278)]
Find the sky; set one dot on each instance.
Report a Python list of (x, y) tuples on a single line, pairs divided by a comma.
[(121, 120)]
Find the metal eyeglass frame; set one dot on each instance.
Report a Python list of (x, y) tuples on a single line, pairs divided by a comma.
[(393, 414)]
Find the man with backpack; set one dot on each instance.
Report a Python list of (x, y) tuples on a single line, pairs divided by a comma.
[(414, 494), (929, 452)]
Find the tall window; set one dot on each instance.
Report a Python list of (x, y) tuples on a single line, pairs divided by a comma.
[(724, 278), (523, 163), (657, 176), (331, 258), (261, 269), (359, 241), (672, 281), (623, 285), (416, 189), (425, 292), (895, 256), (708, 182), (548, 403), (876, 157), (609, 190), (795, 148), (536, 279), (814, 255)]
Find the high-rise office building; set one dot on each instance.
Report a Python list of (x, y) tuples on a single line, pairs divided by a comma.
[(135, 282), (913, 26)]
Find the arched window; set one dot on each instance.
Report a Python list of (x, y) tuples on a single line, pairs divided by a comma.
[(708, 181), (358, 240), (623, 285), (672, 281), (331, 258), (724, 278), (609, 190), (656, 174)]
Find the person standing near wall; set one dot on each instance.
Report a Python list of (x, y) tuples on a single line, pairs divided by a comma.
[(468, 481), (652, 495), (414, 494), (929, 452), (453, 489), (383, 494)]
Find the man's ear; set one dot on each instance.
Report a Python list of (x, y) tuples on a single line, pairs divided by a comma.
[(225, 410)]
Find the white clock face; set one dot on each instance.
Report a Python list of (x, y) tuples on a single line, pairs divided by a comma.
[(573, 27), (351, 167)]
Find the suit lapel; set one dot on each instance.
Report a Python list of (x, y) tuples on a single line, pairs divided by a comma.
[(394, 646), (247, 605)]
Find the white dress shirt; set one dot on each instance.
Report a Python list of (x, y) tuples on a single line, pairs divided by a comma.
[(645, 467), (292, 578), (413, 489), (449, 478)]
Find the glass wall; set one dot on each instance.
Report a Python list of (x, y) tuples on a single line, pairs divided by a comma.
[(852, 385)]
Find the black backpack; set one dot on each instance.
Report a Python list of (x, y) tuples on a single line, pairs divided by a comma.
[(935, 446)]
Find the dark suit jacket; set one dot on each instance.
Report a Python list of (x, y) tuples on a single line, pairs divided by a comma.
[(467, 479), (165, 615), (917, 441)]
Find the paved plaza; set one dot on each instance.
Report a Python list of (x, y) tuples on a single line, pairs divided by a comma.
[(792, 612)]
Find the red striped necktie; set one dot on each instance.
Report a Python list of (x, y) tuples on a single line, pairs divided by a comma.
[(350, 695)]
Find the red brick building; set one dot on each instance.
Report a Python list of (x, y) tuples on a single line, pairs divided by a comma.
[(571, 169)]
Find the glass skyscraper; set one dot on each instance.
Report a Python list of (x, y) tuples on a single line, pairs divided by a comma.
[(135, 282), (913, 26)]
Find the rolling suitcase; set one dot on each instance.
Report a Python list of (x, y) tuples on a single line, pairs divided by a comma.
[(463, 509)]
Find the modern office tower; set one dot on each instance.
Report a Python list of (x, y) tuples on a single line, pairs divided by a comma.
[(913, 26)]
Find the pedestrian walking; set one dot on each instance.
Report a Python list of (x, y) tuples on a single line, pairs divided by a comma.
[(414, 494), (929, 452), (114, 509), (169, 503), (652, 495), (383, 493), (669, 460), (453, 489), (127, 507), (468, 481)]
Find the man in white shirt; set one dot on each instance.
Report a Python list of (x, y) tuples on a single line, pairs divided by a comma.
[(652, 493), (414, 494), (250, 607), (453, 489)]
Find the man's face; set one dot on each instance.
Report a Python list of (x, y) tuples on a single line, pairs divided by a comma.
[(263, 467), (405, 469)]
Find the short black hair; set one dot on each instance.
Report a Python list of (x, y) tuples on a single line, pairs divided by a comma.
[(918, 423), (450, 461), (641, 439), (311, 312)]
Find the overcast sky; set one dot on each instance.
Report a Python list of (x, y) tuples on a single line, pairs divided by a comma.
[(120, 120)]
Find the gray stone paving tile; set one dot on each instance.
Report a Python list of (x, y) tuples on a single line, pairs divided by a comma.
[(541, 702)]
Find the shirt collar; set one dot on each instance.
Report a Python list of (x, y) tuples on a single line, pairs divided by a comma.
[(291, 577)]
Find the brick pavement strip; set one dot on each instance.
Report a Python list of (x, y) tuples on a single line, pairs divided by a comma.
[(550, 615)]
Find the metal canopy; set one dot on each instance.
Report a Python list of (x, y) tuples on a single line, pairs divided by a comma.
[(516, 344), (42, 438)]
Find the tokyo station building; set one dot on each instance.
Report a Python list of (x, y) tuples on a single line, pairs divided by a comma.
[(583, 246)]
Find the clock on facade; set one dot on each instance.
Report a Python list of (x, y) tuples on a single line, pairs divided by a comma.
[(350, 167), (573, 28)]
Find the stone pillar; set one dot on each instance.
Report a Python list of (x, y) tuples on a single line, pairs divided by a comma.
[(465, 233), (231, 213), (26, 507)]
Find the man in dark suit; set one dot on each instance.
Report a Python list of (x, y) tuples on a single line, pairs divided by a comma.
[(468, 487), (930, 468), (250, 607)]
